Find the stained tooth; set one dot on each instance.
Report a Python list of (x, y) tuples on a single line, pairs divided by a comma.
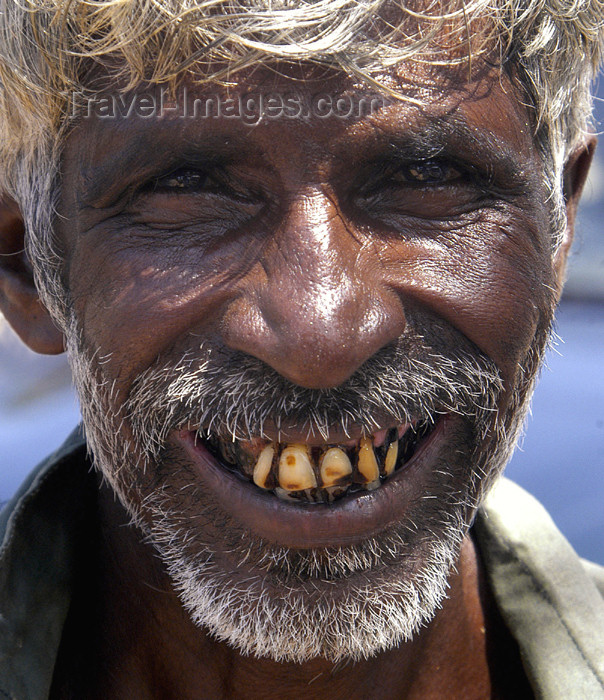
[(313, 495), (262, 469), (335, 467), (367, 465), (391, 455), (295, 470), (285, 495), (333, 492)]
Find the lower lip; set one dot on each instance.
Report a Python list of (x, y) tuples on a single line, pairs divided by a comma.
[(303, 526)]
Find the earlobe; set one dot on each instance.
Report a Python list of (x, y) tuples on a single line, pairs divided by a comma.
[(19, 300), (576, 170)]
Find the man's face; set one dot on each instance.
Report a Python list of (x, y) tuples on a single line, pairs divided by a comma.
[(299, 343)]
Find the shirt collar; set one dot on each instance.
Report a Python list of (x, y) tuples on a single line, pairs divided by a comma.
[(550, 604), (40, 531)]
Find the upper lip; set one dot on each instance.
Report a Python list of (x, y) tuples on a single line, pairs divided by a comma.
[(350, 520)]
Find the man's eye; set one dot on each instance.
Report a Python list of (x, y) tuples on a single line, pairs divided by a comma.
[(183, 180), (430, 188), (427, 172)]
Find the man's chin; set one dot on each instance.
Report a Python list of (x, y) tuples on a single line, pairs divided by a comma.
[(336, 597), (294, 605)]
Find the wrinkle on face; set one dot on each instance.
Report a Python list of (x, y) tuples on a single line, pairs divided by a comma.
[(278, 298), (165, 252)]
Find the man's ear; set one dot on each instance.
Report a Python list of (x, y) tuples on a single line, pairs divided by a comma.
[(19, 300), (575, 174)]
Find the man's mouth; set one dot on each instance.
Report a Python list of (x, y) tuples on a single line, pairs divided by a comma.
[(357, 513), (310, 473)]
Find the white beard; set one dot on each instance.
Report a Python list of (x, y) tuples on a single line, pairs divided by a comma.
[(344, 603), (370, 609)]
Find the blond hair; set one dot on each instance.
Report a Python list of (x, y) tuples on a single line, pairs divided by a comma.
[(47, 48)]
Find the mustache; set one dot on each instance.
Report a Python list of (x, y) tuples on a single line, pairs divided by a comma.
[(232, 395)]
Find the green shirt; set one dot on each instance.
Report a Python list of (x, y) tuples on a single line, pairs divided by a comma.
[(550, 599)]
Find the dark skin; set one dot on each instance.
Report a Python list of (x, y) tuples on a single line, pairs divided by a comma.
[(301, 243)]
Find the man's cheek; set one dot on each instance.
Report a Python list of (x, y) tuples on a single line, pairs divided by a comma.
[(141, 304), (492, 285)]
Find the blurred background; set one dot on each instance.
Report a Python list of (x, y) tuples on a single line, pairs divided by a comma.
[(560, 460)]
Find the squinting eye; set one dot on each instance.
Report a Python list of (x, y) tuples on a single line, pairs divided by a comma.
[(428, 172), (182, 180)]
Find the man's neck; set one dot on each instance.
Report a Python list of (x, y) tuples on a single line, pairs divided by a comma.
[(127, 636)]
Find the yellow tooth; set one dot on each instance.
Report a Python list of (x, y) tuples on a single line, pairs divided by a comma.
[(391, 455), (335, 467), (295, 470), (263, 466), (367, 464)]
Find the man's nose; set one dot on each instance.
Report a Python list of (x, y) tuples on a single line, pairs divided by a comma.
[(322, 307)]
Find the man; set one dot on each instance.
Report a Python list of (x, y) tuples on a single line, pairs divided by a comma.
[(304, 260)]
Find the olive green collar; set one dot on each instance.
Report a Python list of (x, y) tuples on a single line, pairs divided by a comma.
[(544, 593)]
